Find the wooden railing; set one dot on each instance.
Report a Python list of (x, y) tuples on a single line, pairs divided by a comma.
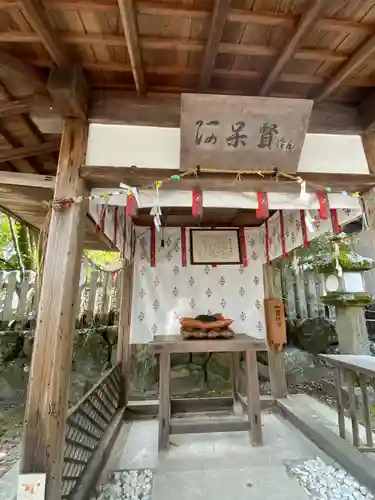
[(354, 372), (86, 424)]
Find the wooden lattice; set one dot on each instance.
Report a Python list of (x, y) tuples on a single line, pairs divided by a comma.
[(86, 425)]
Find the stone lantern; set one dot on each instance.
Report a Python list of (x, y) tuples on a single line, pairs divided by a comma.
[(342, 269)]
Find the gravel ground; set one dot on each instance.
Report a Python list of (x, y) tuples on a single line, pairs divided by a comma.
[(128, 485), (327, 482)]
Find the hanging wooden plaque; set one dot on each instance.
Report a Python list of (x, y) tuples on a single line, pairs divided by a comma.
[(242, 133)]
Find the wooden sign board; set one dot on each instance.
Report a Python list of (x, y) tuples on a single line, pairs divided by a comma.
[(242, 133), (275, 321)]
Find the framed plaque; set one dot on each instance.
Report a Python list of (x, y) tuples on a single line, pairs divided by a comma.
[(215, 246)]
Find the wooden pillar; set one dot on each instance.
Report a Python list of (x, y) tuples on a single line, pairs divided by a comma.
[(123, 342), (49, 382), (275, 357)]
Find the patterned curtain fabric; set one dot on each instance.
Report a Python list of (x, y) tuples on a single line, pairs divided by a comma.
[(162, 294)]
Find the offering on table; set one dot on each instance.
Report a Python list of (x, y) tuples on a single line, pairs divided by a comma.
[(206, 326)]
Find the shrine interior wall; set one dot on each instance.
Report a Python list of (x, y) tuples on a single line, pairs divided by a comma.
[(159, 147), (168, 291)]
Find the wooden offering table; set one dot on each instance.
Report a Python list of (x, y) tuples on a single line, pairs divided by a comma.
[(165, 345)]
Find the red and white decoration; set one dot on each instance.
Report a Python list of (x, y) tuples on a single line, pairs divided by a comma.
[(164, 293)]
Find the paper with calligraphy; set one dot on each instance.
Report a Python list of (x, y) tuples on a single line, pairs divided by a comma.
[(215, 246), (31, 487), (242, 133)]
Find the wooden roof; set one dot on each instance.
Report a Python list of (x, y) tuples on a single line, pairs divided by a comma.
[(320, 49)]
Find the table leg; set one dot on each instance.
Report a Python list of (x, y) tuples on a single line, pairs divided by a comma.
[(234, 369), (253, 398), (164, 400)]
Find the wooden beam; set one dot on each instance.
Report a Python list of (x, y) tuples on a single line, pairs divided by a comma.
[(275, 357), (367, 113), (14, 108), (23, 166), (69, 91), (219, 18), (355, 62), (172, 43), (123, 344), (106, 176), (130, 27), (27, 151), (49, 381), (36, 16), (13, 68), (164, 110), (30, 180), (306, 22)]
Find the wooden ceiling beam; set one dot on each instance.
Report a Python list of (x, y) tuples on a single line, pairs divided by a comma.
[(13, 68), (173, 43), (36, 16), (120, 67), (24, 166), (219, 18), (29, 180), (14, 108), (307, 20), (179, 10), (130, 26), (29, 151), (354, 63)]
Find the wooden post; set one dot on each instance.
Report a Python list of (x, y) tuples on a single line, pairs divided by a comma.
[(275, 357), (123, 342), (48, 391), (92, 296)]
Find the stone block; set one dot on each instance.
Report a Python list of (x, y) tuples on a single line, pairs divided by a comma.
[(180, 359), (187, 378)]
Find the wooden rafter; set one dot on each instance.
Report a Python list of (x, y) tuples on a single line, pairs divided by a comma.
[(20, 165), (355, 62), (219, 18), (29, 180), (307, 20), (13, 68), (130, 27), (28, 151), (14, 108), (172, 43), (36, 16), (179, 10)]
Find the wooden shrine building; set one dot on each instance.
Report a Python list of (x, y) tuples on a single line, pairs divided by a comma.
[(124, 123)]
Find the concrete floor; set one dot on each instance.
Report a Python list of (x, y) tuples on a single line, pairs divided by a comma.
[(224, 465)]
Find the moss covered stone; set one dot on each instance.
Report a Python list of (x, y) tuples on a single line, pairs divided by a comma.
[(342, 299), (326, 261)]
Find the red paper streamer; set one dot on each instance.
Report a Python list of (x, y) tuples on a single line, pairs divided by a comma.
[(306, 242), (131, 206), (245, 260), (197, 204), (262, 211), (214, 265), (153, 247), (335, 221), (267, 244), (115, 227), (283, 245), (123, 250), (323, 205), (183, 246)]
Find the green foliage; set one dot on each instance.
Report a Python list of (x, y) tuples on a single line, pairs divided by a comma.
[(101, 258)]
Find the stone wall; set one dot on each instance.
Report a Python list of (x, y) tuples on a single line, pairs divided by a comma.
[(190, 373)]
